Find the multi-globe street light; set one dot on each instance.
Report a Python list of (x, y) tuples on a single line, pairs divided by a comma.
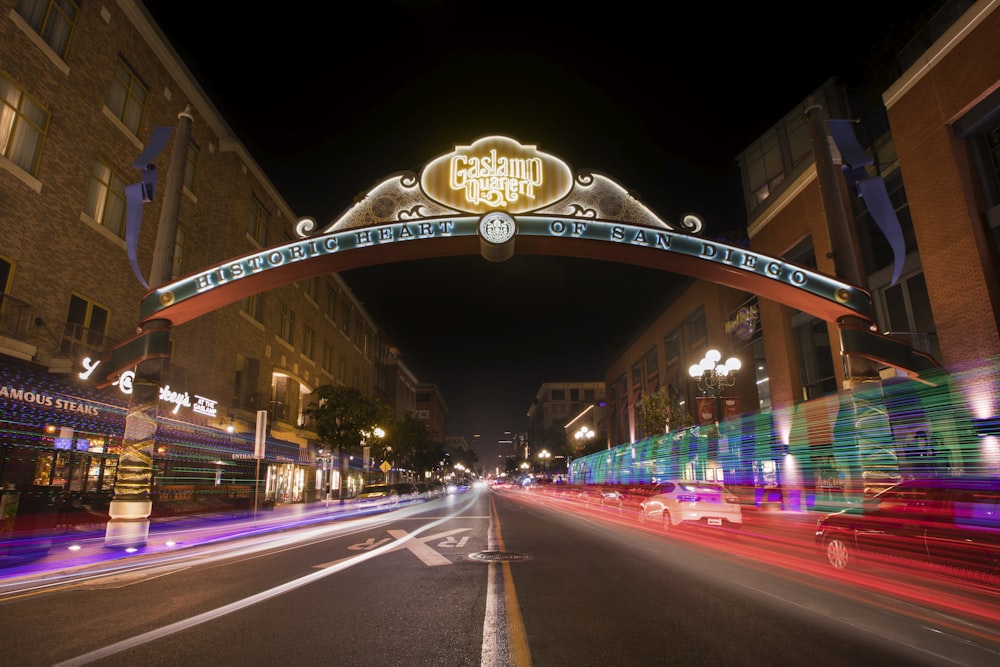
[(584, 435), (545, 455), (714, 377)]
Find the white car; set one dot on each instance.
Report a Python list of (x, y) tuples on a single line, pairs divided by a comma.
[(377, 495), (674, 502)]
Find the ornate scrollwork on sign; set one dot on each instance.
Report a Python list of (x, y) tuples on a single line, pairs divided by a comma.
[(691, 223), (497, 173), (595, 196), (396, 199)]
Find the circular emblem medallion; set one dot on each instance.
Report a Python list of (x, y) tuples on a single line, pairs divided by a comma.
[(497, 227)]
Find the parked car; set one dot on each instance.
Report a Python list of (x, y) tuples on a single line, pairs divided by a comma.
[(377, 495), (675, 502), (603, 496), (408, 492), (947, 521)]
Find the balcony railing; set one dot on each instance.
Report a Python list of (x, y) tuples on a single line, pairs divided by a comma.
[(17, 319), (79, 341)]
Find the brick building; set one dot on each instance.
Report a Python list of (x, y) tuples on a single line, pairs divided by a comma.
[(929, 135), (85, 88)]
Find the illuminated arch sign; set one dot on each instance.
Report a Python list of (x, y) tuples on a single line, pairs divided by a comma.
[(676, 252), (496, 173), (487, 198)]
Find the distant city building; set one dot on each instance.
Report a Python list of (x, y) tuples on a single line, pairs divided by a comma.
[(398, 386), (456, 443), (556, 403), (432, 409)]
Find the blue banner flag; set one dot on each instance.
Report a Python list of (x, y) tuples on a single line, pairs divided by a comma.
[(871, 189), (139, 193)]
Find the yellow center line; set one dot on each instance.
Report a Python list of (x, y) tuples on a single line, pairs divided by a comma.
[(517, 637)]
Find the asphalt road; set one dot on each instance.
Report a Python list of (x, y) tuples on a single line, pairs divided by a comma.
[(495, 578)]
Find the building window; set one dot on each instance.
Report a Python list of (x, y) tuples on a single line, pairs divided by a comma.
[(251, 305), (23, 125), (558, 395), (52, 19), (357, 333), (106, 199), (286, 323), (308, 341), (331, 303), (282, 389), (86, 326), (652, 367), (764, 166), (984, 137), (342, 368), (128, 96), (778, 153), (672, 347), (812, 337), (6, 271), (257, 222), (312, 289), (190, 165), (328, 358), (345, 316), (245, 386), (906, 313), (697, 329), (815, 356), (180, 248), (16, 317)]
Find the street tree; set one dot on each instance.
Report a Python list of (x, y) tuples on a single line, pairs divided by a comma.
[(413, 447), (466, 458), (343, 416), (662, 412), (552, 439)]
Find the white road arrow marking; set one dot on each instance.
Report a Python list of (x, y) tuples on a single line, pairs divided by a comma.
[(421, 550), (451, 542), (418, 547), (368, 544)]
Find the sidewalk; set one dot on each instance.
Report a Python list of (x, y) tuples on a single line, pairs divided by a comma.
[(60, 550)]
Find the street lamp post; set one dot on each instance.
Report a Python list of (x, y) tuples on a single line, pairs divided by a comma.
[(584, 435), (366, 437), (714, 378), (545, 455), (323, 458)]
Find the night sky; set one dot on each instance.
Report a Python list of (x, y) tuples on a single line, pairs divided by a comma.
[(661, 97)]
